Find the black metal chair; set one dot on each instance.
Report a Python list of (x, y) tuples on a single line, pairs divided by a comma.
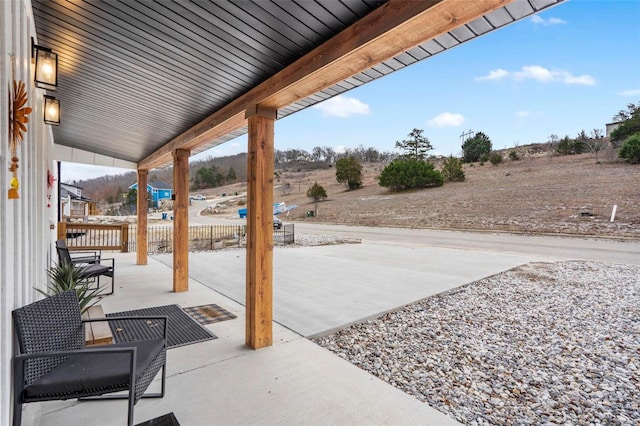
[(92, 265), (54, 364)]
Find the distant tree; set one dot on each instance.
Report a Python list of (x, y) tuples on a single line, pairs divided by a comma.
[(349, 172), (407, 173), (565, 146), (474, 148), (553, 138), (624, 115), (207, 177), (415, 147), (595, 143), (231, 175), (630, 150), (580, 142), (317, 192), (513, 155), (316, 154), (452, 169), (628, 127)]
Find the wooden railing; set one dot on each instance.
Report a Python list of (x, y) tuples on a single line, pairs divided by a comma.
[(91, 236), (122, 236)]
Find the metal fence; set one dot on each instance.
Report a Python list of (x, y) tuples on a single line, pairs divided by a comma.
[(285, 235), (201, 237)]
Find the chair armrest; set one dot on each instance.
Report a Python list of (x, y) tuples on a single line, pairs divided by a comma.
[(85, 256), (85, 351), (164, 319)]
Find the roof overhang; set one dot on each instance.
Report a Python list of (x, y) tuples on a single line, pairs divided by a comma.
[(140, 80)]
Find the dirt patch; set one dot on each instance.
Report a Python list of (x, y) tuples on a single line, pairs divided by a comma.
[(538, 194)]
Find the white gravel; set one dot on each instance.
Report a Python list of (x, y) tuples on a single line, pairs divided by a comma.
[(544, 343)]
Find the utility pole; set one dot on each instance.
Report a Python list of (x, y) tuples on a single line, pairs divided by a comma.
[(463, 136)]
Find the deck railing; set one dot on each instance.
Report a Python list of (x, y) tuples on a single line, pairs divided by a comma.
[(93, 236), (122, 236)]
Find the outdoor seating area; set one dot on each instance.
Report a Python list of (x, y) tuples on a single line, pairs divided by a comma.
[(91, 263), (54, 364), (222, 381)]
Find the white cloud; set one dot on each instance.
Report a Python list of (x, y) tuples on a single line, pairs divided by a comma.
[(523, 114), (340, 149), (537, 20), (632, 92), (342, 106), (541, 74), (446, 119), (497, 74)]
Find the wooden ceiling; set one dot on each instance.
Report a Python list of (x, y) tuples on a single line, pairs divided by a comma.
[(138, 79)]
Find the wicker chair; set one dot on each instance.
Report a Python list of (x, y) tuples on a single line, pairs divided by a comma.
[(54, 364), (92, 265)]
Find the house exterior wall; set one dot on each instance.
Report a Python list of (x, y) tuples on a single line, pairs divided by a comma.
[(25, 234)]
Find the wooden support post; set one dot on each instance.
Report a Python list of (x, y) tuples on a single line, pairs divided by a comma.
[(181, 220), (141, 230), (260, 228)]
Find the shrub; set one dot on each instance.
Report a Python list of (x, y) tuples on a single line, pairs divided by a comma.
[(513, 155), (407, 173), (630, 150), (495, 158), (317, 192), (349, 171), (474, 148), (452, 170)]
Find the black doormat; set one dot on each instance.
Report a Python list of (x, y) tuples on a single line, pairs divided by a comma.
[(209, 314), (166, 420), (182, 329)]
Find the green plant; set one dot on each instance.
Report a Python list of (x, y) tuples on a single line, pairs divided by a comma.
[(452, 169), (349, 171), (630, 150), (495, 158), (407, 173), (416, 146), (317, 192), (513, 155), (66, 276), (474, 148)]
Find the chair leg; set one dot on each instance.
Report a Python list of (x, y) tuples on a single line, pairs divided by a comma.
[(18, 381), (17, 413)]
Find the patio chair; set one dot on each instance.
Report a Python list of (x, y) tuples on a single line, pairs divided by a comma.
[(92, 266), (81, 256), (51, 361)]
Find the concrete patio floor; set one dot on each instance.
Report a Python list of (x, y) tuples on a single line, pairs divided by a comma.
[(221, 382)]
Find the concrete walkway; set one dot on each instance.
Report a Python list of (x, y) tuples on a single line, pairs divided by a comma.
[(320, 289), (221, 382)]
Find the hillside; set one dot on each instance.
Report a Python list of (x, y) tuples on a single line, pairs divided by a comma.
[(542, 193)]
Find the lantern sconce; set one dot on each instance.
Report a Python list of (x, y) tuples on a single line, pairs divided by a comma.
[(46, 67), (51, 110)]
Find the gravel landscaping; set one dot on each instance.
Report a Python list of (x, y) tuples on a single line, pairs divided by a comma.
[(544, 343)]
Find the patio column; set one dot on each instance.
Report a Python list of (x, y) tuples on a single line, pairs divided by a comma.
[(259, 290), (141, 230), (181, 220)]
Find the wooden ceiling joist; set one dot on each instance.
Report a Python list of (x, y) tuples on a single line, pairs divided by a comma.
[(388, 31)]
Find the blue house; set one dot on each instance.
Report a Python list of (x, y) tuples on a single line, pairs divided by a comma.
[(159, 190)]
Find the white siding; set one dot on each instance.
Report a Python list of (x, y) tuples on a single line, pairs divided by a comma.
[(25, 234)]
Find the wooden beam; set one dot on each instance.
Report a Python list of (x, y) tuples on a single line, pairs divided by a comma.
[(259, 297), (391, 29), (141, 230), (181, 220)]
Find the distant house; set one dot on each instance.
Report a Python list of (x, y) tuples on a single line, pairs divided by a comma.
[(72, 202), (159, 190)]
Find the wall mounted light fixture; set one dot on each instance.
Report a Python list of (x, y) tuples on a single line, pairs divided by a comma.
[(46, 67), (51, 110)]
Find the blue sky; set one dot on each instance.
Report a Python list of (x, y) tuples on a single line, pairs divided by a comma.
[(568, 68)]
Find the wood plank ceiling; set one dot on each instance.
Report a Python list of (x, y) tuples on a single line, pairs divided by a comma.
[(134, 75)]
